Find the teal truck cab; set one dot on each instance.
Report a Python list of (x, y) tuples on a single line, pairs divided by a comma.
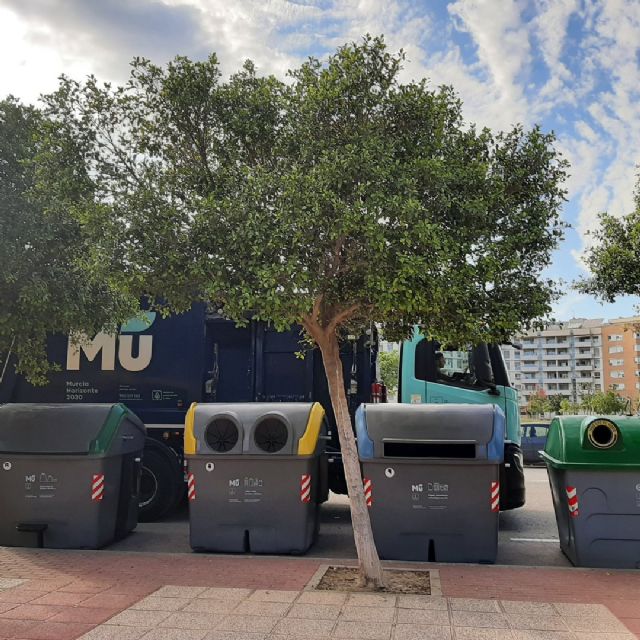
[(431, 373)]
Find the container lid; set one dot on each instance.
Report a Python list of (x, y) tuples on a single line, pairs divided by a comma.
[(444, 431), (593, 441), (252, 428), (80, 429)]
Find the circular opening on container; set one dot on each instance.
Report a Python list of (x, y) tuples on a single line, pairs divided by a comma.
[(271, 434), (221, 434), (602, 434)]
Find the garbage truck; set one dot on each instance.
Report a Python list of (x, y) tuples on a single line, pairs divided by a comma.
[(158, 366), (433, 373)]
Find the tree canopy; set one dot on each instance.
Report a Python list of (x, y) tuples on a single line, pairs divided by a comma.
[(338, 198), (49, 280), (614, 259)]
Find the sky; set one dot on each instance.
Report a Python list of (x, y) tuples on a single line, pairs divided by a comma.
[(571, 66)]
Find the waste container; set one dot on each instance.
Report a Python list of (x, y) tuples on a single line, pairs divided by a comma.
[(69, 474), (254, 476), (431, 476), (594, 471)]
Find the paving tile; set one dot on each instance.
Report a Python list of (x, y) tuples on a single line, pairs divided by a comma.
[(207, 605), (421, 632), (542, 635), (135, 618), (11, 628), (252, 624), (7, 606), (174, 634), (474, 604), (423, 616), (315, 611), (236, 635), (55, 631), (179, 592), (159, 603), (303, 629), (110, 600), (273, 595), (422, 602), (84, 615), (322, 597), (220, 593), (362, 630), (62, 598), (10, 583), (540, 622), (372, 600), (32, 612), (189, 620), (473, 633), (604, 636), (249, 608), (525, 608), (479, 619), (21, 596), (595, 625), (113, 632), (572, 609), (368, 614)]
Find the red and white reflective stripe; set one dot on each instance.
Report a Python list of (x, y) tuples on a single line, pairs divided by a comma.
[(495, 497), (572, 499), (191, 486), (367, 492), (97, 487), (305, 488)]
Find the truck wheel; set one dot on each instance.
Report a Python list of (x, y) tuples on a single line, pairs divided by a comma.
[(161, 484)]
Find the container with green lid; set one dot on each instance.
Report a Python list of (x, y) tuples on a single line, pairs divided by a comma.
[(69, 474), (593, 464)]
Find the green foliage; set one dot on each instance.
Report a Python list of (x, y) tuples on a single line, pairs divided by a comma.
[(555, 403), (48, 280), (605, 403), (613, 260), (568, 408), (341, 196), (389, 369), (538, 405)]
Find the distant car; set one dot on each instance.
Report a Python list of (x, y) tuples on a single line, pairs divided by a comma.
[(534, 437)]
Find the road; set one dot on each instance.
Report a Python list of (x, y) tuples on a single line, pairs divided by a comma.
[(527, 535)]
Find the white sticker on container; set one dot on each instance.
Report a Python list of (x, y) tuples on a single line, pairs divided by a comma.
[(6, 466), (389, 472), (210, 466)]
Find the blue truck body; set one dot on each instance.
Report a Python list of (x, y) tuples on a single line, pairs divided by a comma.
[(158, 367)]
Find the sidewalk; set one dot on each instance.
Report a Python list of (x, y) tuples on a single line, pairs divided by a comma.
[(62, 595)]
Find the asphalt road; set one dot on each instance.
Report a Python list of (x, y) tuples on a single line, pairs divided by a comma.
[(528, 536)]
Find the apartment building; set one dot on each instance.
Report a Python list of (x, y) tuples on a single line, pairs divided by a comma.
[(621, 357), (563, 359)]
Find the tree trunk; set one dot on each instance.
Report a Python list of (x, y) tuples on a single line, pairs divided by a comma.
[(369, 562)]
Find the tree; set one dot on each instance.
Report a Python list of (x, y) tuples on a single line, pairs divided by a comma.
[(538, 404), (614, 258), (389, 366), (607, 403), (340, 198), (568, 408), (555, 403), (46, 282)]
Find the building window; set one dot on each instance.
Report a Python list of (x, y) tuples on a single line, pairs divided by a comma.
[(618, 387), (616, 363), (615, 337), (617, 374), (620, 349)]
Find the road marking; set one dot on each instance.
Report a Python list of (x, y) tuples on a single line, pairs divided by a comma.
[(555, 540)]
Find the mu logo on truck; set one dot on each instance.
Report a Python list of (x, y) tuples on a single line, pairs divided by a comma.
[(108, 346)]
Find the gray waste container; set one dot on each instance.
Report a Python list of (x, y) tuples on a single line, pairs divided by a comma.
[(431, 475), (594, 471), (69, 474), (254, 478)]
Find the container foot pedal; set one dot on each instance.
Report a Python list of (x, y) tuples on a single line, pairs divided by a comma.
[(33, 527)]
